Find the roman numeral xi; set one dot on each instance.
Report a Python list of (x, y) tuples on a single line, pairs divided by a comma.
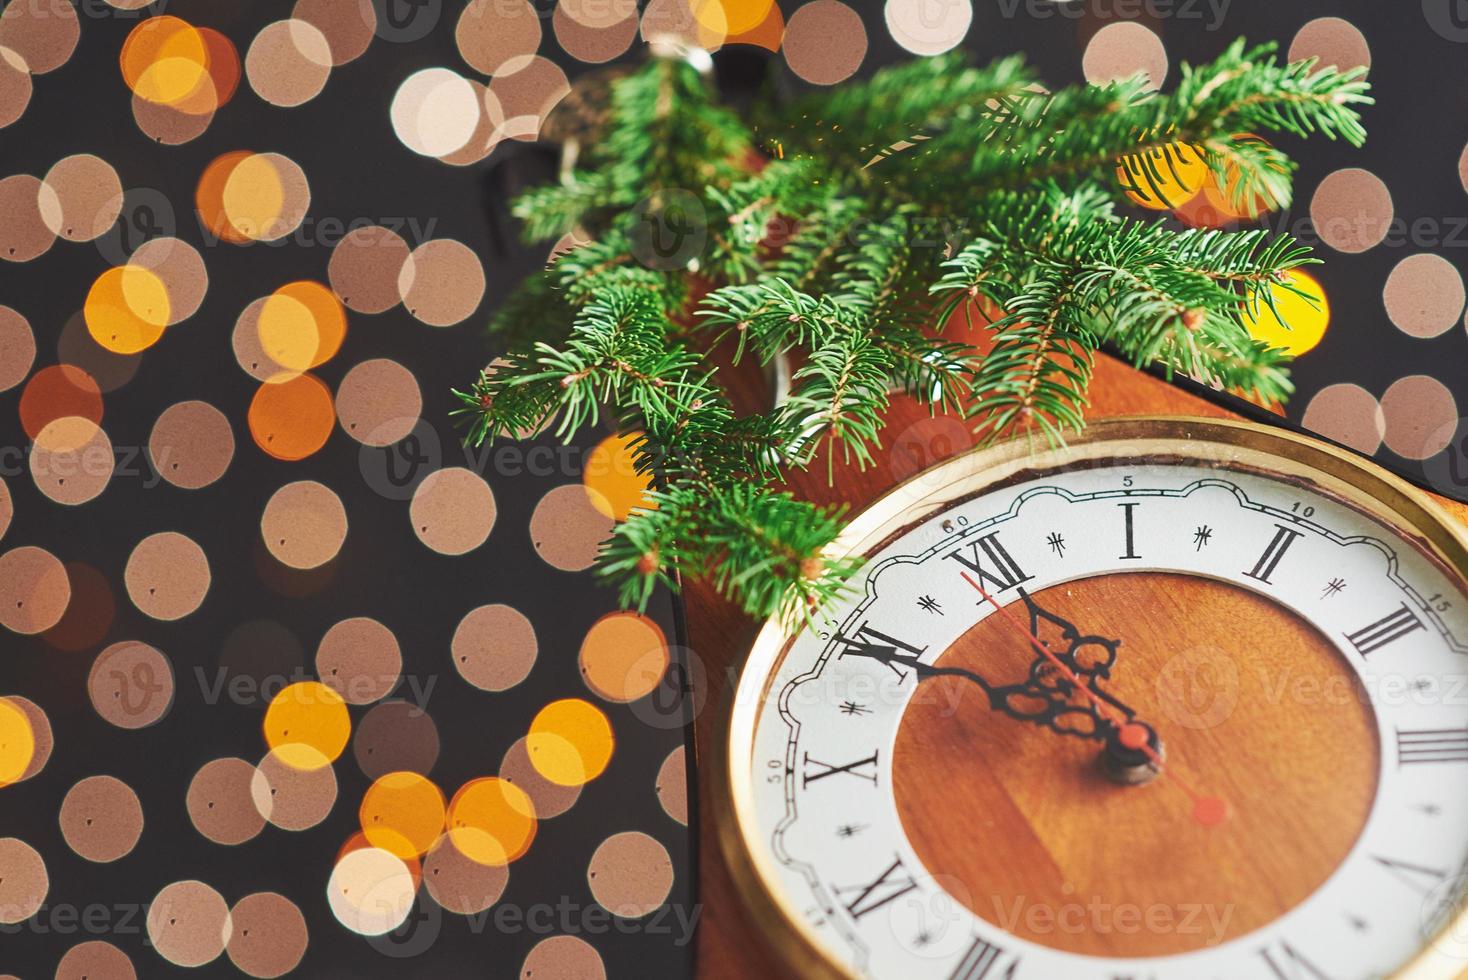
[(987, 558)]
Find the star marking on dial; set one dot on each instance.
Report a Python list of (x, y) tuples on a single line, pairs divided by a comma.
[(849, 830), (1202, 536), (1056, 541), (852, 708), (928, 604), (1333, 587)]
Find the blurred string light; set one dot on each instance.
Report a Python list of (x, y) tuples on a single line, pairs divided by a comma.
[(179, 75), (307, 725), (252, 197)]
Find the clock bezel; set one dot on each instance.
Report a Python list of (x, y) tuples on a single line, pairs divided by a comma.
[(1240, 445)]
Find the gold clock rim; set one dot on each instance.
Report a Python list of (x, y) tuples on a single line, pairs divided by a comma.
[(1337, 472)]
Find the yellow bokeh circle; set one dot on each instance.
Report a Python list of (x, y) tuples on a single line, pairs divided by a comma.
[(253, 198), (127, 309), (611, 471), (1304, 321), (403, 813), (164, 60), (307, 725), (570, 742), (1163, 178), (491, 821), (288, 334), (17, 742)]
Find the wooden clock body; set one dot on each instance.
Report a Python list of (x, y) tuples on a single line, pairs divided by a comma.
[(729, 944)]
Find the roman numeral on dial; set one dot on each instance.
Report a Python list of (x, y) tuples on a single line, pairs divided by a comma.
[(987, 558), (984, 961), (1278, 546), (888, 887), (1388, 629), (1421, 745), (1288, 963), (1131, 543), (1417, 877), (816, 770), (873, 643)]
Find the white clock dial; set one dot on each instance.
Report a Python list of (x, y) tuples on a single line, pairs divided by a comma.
[(824, 818)]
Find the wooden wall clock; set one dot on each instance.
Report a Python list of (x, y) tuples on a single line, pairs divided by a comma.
[(1183, 699)]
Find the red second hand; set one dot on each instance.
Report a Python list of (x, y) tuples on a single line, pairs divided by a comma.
[(1207, 810)]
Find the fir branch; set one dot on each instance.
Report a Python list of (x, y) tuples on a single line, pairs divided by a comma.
[(830, 254)]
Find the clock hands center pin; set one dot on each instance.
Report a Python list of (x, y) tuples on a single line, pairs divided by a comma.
[(1128, 740)]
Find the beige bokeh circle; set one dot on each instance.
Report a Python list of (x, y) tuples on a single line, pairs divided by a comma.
[(220, 804), (550, 799), (34, 589), (452, 510), (1351, 210), (191, 445), (95, 959), (72, 460), (458, 882), (359, 658), (80, 197), (101, 818), (188, 923), (494, 647), (441, 282), (23, 881), (563, 958), (567, 527), (364, 268), (131, 684), (378, 402), (630, 874), (304, 524), (167, 575), (268, 935), (672, 785), (292, 798)]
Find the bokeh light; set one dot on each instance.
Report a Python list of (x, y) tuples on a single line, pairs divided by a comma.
[(371, 890), (491, 821), (1163, 178), (1299, 323), (307, 725), (127, 309), (611, 476), (292, 419), (570, 742), (403, 813), (624, 656), (17, 742)]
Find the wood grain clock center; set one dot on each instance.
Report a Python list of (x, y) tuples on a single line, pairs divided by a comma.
[(1025, 829)]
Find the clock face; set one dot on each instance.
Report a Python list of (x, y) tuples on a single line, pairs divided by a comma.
[(1147, 717)]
